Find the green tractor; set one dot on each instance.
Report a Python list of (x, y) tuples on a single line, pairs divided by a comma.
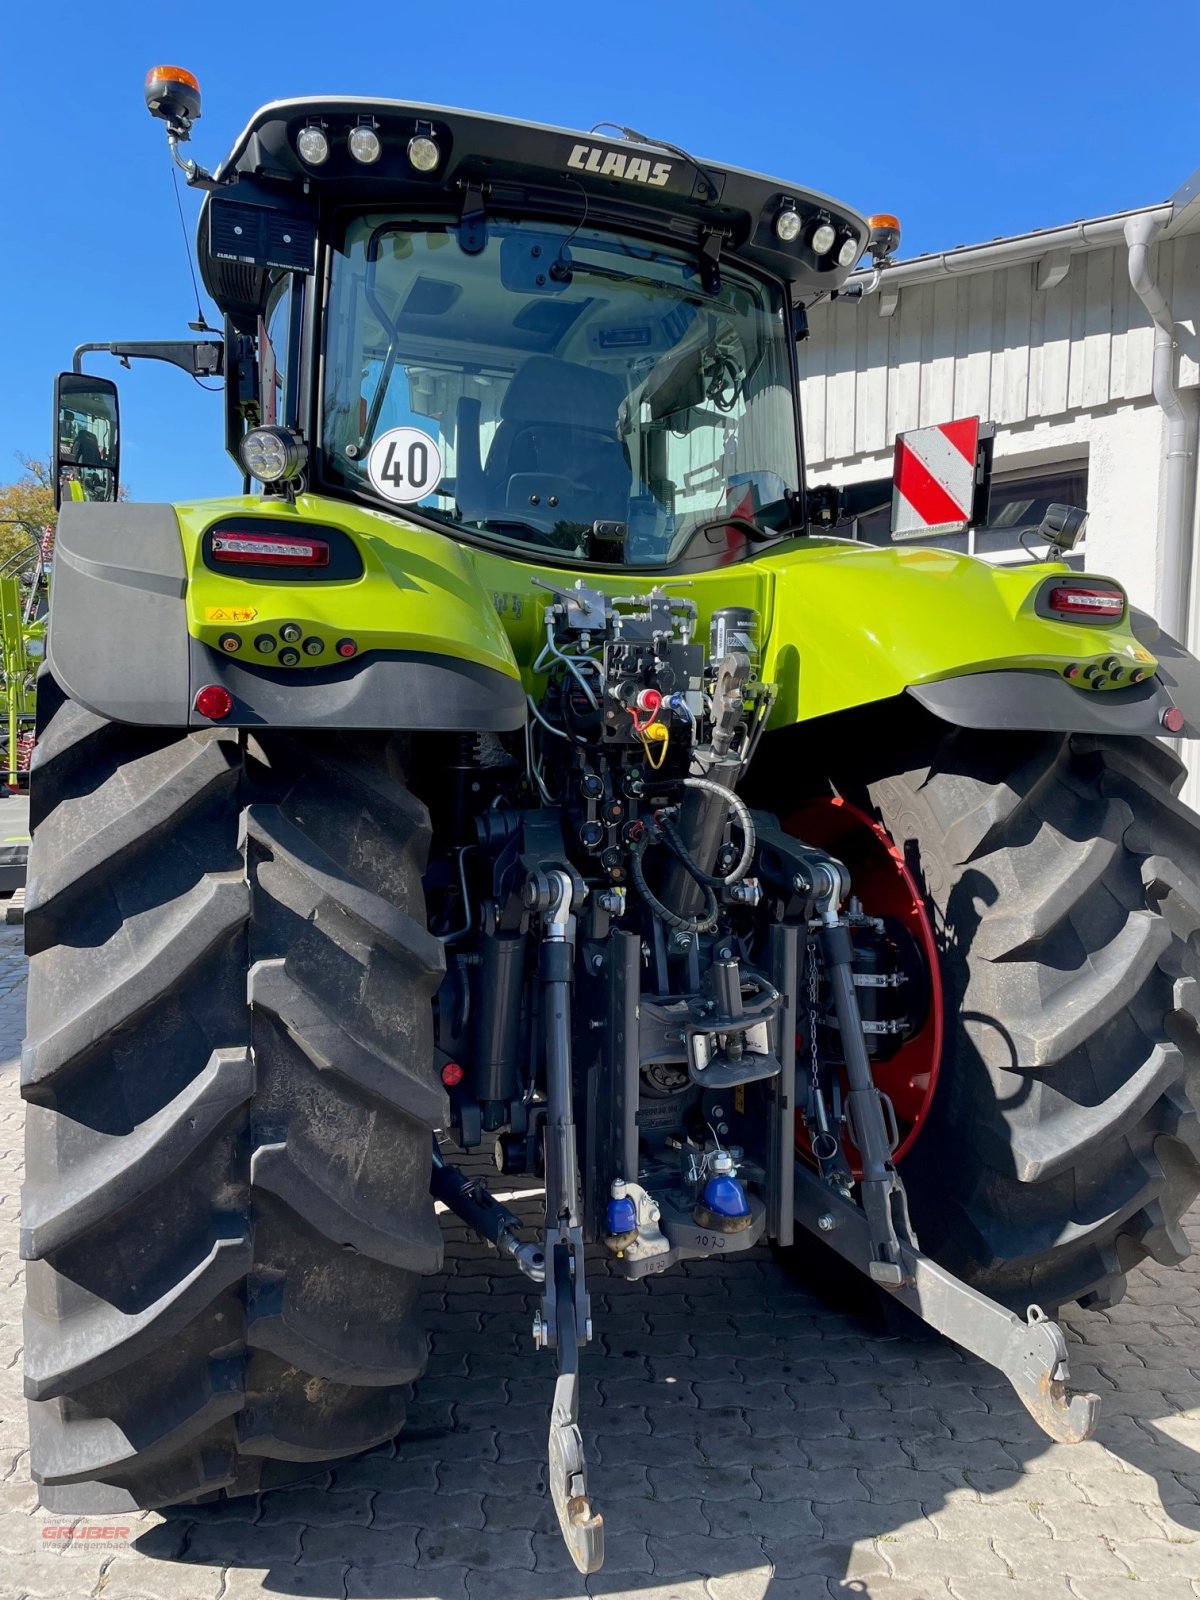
[(527, 764)]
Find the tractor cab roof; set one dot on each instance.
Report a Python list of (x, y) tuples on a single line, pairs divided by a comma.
[(486, 163)]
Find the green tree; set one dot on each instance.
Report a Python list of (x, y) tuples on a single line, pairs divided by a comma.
[(26, 507)]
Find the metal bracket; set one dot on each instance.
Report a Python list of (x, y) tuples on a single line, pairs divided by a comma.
[(201, 357), (582, 1528), (472, 225), (711, 242), (1032, 1354), (564, 1321)]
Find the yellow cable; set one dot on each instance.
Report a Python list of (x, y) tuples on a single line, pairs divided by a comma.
[(661, 737)]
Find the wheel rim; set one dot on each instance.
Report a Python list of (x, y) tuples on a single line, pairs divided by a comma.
[(887, 888)]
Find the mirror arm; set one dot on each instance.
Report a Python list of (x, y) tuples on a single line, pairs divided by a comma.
[(830, 504), (202, 358)]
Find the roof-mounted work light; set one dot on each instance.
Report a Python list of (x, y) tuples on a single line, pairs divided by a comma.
[(423, 150), (364, 143), (788, 222), (312, 144)]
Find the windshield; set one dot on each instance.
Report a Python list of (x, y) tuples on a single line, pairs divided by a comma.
[(556, 379)]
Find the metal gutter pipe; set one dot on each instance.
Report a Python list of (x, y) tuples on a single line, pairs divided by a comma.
[(1004, 252), (1181, 408)]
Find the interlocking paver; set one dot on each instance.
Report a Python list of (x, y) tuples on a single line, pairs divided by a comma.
[(1119, 1589), (748, 1443)]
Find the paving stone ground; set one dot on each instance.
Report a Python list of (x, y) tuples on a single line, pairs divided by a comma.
[(748, 1444)]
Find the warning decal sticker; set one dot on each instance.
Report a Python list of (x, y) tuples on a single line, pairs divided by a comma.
[(230, 613)]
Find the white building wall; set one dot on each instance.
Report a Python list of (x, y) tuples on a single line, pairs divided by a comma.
[(987, 343)]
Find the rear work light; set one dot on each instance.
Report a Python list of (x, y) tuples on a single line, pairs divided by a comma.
[(270, 549), (1086, 601)]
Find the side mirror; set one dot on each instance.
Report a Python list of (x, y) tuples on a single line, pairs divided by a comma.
[(86, 454)]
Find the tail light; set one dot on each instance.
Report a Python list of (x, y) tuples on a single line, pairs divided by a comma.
[(271, 549), (1090, 602)]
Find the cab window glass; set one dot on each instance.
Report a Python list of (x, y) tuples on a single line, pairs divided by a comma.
[(273, 350)]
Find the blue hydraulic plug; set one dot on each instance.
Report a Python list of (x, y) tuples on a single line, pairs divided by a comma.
[(723, 1194), (621, 1216)]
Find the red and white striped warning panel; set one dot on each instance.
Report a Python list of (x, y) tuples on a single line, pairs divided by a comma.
[(933, 484)]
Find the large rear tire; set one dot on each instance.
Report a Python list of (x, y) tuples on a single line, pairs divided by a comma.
[(229, 1075), (1064, 874)]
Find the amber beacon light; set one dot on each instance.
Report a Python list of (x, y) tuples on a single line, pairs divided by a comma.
[(884, 237), (173, 95)]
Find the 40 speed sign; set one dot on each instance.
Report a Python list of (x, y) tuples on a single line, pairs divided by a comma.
[(404, 465)]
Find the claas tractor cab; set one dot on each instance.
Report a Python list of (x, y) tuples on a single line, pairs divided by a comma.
[(524, 761)]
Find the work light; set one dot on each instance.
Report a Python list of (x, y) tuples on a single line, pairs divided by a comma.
[(312, 145), (849, 252), (1063, 526), (787, 224), (821, 239), (273, 455), (364, 144), (423, 152)]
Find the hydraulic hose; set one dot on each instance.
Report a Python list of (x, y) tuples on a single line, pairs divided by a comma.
[(703, 922), (741, 815)]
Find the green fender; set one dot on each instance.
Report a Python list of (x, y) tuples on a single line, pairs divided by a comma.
[(445, 635), (855, 623)]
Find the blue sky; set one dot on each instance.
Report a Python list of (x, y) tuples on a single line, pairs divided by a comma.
[(967, 121)]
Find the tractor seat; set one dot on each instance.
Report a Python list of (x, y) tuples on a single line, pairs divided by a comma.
[(556, 439)]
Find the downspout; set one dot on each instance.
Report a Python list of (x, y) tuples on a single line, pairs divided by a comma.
[(1181, 408)]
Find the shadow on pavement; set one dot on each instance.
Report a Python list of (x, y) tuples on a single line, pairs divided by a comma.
[(740, 1432)]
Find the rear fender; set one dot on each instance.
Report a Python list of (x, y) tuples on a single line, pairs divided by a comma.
[(855, 625), (137, 618)]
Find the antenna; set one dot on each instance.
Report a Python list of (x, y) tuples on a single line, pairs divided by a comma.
[(200, 325)]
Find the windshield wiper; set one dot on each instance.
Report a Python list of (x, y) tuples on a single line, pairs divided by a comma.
[(566, 270), (543, 536), (754, 528)]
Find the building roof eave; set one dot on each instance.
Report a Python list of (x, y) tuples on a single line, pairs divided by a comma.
[(1076, 237)]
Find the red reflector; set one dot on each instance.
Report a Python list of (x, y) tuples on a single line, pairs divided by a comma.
[(1173, 719), (452, 1074), (270, 549), (213, 702), (1073, 600), (346, 647)]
